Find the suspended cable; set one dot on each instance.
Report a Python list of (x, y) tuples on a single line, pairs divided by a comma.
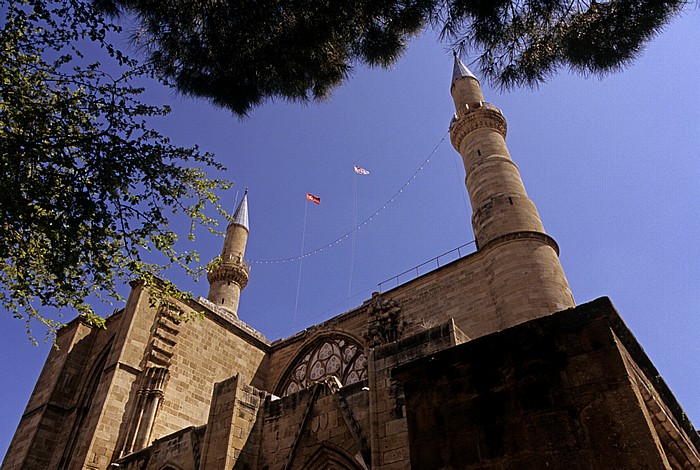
[(363, 223), (303, 239), (363, 293), (354, 234), (394, 280), (460, 185), (366, 155)]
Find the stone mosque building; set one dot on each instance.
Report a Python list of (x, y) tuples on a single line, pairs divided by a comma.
[(513, 374)]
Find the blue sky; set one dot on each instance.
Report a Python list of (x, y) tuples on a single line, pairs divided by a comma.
[(611, 164)]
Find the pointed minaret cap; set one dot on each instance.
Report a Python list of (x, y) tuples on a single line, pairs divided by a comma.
[(460, 70), (240, 217)]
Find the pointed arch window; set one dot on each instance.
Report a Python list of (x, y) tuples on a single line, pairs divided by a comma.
[(338, 356), (327, 458)]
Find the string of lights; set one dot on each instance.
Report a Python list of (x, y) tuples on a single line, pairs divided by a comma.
[(361, 224)]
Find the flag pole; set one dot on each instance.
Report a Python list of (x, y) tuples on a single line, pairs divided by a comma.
[(354, 232), (301, 261)]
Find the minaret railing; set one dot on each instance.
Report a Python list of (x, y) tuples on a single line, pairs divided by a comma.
[(468, 108)]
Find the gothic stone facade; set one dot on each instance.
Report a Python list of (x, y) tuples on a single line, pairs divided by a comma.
[(569, 390), (484, 363)]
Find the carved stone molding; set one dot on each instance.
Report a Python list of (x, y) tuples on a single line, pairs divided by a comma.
[(484, 117), (154, 380), (385, 324), (524, 235), (149, 398), (238, 272)]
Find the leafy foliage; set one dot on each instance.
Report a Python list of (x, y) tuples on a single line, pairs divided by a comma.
[(87, 185), (238, 53)]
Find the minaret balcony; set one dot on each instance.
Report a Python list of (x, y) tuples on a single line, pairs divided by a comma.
[(234, 270), (470, 108), (475, 116), (237, 262)]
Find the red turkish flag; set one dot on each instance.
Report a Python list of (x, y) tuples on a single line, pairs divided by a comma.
[(312, 198)]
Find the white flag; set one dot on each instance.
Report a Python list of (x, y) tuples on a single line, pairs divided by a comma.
[(361, 171)]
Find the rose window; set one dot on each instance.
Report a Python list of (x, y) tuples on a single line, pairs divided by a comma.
[(339, 357)]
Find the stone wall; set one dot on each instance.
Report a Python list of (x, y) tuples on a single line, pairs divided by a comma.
[(232, 418), (318, 425), (105, 393), (194, 354), (181, 450), (60, 406), (555, 392), (388, 426), (207, 350), (458, 290)]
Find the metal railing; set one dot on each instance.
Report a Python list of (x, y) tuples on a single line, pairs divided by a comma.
[(424, 268)]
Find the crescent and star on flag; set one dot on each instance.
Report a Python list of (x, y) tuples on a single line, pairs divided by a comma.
[(312, 198)]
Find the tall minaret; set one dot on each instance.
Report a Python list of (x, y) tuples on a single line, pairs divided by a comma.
[(522, 261), (229, 278)]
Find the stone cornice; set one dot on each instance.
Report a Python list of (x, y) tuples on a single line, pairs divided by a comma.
[(231, 322), (467, 122), (543, 237), (322, 328), (238, 273)]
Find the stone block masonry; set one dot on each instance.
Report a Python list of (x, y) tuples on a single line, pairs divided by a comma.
[(483, 363), (555, 392)]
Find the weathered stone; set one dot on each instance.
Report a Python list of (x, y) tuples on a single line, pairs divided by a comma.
[(481, 364)]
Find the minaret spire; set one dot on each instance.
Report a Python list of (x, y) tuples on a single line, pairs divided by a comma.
[(229, 276), (526, 278), (460, 70), (240, 217), (465, 86)]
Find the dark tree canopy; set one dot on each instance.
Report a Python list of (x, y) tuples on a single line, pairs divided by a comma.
[(87, 185), (238, 53), (524, 43)]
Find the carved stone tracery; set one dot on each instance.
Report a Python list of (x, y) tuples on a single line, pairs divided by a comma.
[(336, 356)]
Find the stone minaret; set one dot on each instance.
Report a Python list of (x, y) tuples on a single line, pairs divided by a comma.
[(229, 278), (524, 272)]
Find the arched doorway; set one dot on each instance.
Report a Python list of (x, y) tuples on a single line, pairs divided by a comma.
[(328, 458)]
